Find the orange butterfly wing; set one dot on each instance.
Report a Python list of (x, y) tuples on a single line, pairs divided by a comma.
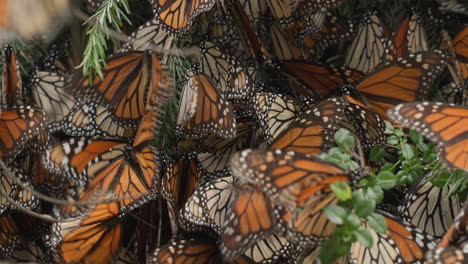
[(460, 46), (249, 219), (213, 113), (12, 83), (17, 127), (93, 237), (445, 125), (406, 80), (318, 81), (176, 15), (312, 131)]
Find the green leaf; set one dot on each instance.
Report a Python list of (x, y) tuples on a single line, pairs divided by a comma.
[(350, 142), (407, 151), (392, 140), (340, 136), (387, 180), (375, 193), (335, 213), (387, 167), (342, 190), (333, 248), (353, 221), (353, 165), (364, 207), (377, 154), (399, 133), (415, 136), (377, 222), (364, 237), (389, 129)]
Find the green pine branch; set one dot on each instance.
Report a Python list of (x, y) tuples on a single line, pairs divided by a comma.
[(112, 13)]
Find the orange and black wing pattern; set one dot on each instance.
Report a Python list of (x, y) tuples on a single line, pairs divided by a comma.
[(10, 237), (318, 81), (446, 125), (312, 131), (18, 126), (128, 81), (186, 251), (112, 106), (368, 48), (407, 79), (460, 47), (92, 236), (12, 91), (191, 251), (290, 179), (410, 38), (250, 217), (212, 112), (403, 243), (177, 15), (179, 182)]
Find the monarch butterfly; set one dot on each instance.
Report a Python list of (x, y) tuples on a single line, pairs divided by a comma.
[(208, 207), (147, 36), (92, 235), (177, 15), (10, 237), (317, 4), (405, 80), (275, 112), (112, 107), (12, 91), (429, 208), (311, 132), (191, 250), (226, 71), (441, 123), (126, 171), (179, 183), (410, 37), (249, 218), (453, 92), (249, 38), (324, 30), (58, 58), (448, 255), (297, 183), (453, 247), (318, 81), (8, 189), (216, 152), (458, 232), (222, 32), (123, 172), (32, 252), (204, 110), (49, 93), (18, 126), (368, 47), (271, 248), (403, 243), (284, 45), (18, 193), (460, 48)]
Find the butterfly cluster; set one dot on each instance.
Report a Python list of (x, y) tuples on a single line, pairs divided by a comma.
[(214, 134)]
